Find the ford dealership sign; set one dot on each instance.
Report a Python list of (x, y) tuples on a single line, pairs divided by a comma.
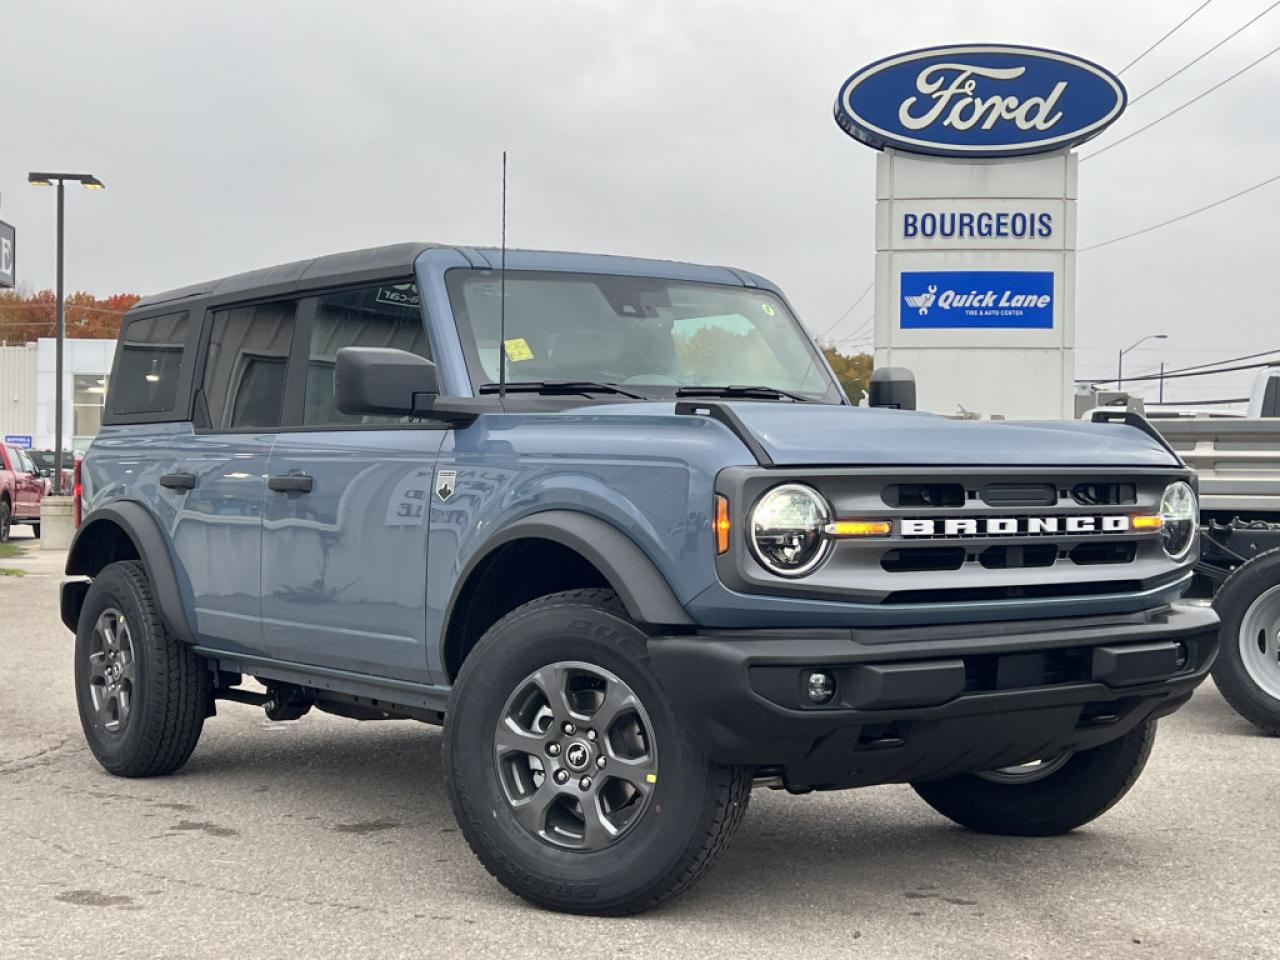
[(979, 100)]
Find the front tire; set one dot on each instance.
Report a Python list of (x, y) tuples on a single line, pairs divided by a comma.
[(1247, 671), (1048, 799), (142, 694), (6, 520), (550, 691)]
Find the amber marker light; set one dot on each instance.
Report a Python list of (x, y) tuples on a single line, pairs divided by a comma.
[(859, 528), (1147, 522), (722, 524)]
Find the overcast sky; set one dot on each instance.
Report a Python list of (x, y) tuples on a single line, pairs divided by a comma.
[(239, 134)]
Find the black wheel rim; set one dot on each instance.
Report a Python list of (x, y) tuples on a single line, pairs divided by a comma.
[(112, 670), (576, 756)]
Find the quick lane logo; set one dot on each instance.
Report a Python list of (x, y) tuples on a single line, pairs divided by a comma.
[(977, 299), (1011, 526)]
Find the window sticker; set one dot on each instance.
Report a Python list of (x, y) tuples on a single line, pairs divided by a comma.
[(400, 295), (768, 309), (518, 349)]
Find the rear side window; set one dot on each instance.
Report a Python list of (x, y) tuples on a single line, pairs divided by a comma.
[(385, 315), (245, 365), (145, 379)]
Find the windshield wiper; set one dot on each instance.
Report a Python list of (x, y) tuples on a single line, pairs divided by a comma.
[(557, 387), (748, 393)]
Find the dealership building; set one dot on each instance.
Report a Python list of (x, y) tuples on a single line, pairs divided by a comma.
[(28, 383)]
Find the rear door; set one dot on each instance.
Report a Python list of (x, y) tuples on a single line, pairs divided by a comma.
[(217, 475), (344, 549)]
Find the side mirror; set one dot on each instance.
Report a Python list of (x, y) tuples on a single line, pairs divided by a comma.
[(893, 387), (383, 381)]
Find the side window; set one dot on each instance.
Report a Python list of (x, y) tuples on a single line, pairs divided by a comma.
[(385, 315), (25, 462), (145, 379), (245, 365)]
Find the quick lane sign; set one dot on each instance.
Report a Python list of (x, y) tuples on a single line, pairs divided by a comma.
[(990, 299), (8, 254), (979, 100)]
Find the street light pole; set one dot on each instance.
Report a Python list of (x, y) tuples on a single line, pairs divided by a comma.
[(60, 334), (89, 182), (1120, 358)]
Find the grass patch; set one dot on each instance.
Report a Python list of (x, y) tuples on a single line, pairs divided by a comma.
[(10, 550), (12, 572)]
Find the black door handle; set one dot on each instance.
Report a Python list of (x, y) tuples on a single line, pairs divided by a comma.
[(178, 481), (290, 483)]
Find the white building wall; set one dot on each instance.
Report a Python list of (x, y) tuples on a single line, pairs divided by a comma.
[(1014, 372), (86, 357), (18, 390)]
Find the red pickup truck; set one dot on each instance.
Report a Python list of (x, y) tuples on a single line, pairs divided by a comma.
[(21, 490)]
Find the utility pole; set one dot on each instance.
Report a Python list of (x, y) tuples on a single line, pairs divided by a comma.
[(1162, 381)]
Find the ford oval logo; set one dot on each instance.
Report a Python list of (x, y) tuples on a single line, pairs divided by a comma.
[(979, 100)]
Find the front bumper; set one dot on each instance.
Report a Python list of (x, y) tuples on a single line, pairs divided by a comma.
[(931, 702)]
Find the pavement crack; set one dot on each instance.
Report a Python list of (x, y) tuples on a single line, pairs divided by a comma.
[(40, 758)]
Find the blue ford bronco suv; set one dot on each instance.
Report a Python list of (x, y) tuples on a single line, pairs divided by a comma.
[(614, 524)]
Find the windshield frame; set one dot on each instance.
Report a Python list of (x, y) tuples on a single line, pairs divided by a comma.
[(478, 376)]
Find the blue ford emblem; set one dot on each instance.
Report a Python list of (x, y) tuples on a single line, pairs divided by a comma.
[(979, 100)]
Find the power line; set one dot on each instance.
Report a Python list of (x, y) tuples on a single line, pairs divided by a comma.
[(1179, 376), (859, 331), (1176, 27), (1198, 366), (1165, 116), (49, 306), (852, 306), (1190, 213), (1192, 63)]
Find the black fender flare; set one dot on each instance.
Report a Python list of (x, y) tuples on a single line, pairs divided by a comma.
[(640, 586), (143, 530)]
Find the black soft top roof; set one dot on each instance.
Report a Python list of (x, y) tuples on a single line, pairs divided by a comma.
[(335, 269)]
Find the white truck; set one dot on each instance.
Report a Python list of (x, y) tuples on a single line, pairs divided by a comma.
[(1237, 460)]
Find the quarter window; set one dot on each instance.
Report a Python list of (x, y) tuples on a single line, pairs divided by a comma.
[(385, 315), (245, 366), (146, 374)]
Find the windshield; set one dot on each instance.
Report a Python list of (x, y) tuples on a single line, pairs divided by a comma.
[(650, 335)]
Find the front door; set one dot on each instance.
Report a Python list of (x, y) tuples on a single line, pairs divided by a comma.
[(344, 549)]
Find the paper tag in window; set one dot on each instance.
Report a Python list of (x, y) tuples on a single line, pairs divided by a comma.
[(518, 349)]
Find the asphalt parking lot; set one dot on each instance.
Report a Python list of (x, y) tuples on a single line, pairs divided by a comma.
[(326, 837)]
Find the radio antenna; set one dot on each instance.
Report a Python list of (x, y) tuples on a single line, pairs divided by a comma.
[(502, 294)]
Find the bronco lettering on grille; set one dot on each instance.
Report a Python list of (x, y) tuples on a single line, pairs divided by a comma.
[(1011, 526)]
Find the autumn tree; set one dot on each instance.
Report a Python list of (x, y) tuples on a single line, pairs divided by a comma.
[(28, 316), (852, 370)]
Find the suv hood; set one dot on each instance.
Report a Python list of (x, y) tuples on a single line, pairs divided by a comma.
[(803, 434)]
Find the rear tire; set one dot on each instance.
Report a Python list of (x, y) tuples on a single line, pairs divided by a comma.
[(142, 694), (35, 530), (670, 811), (1071, 794), (1247, 671)]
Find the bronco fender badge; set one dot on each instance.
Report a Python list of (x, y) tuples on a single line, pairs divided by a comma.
[(446, 483)]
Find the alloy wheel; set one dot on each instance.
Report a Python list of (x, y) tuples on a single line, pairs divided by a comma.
[(112, 670), (576, 756)]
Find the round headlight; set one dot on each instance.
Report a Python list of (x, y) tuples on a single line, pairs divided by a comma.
[(1179, 515), (787, 534)]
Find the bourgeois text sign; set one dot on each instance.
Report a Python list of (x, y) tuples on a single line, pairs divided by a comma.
[(979, 100)]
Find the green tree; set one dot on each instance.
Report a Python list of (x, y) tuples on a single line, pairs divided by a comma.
[(852, 370)]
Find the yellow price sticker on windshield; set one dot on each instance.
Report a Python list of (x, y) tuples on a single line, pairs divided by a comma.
[(768, 308), (518, 349)]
